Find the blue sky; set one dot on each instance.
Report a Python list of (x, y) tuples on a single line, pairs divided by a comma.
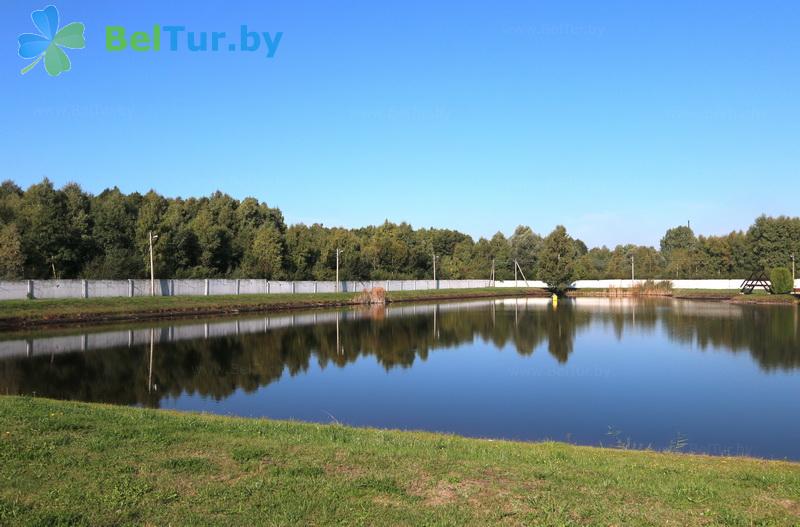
[(616, 119)]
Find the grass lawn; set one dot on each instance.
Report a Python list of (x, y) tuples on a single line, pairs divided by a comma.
[(16, 313), (69, 463)]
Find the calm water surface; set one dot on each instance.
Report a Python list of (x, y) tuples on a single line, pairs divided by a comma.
[(696, 376)]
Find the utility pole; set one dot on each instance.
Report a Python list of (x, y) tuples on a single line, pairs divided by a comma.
[(434, 267), (152, 272), (633, 270), (493, 271), (338, 252), (517, 267), (794, 277)]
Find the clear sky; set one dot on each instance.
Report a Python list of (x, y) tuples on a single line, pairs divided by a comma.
[(616, 119)]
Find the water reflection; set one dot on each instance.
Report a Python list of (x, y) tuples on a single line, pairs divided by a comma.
[(216, 358)]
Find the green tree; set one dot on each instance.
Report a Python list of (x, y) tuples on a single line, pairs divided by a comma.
[(593, 265), (10, 253), (113, 231), (781, 280), (44, 227), (677, 238), (525, 246), (10, 199), (557, 260), (80, 225), (500, 250), (264, 258), (774, 240)]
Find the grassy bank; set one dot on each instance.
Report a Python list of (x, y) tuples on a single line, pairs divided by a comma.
[(718, 295), (23, 313), (80, 464), (16, 314)]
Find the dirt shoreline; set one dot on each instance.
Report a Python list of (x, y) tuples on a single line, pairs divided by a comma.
[(177, 313)]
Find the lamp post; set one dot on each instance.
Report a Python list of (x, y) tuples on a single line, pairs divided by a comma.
[(338, 252), (794, 277), (153, 237), (633, 271)]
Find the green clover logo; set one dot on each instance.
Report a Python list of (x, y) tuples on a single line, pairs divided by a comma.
[(48, 44)]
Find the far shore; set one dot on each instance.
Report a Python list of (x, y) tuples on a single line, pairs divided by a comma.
[(21, 314)]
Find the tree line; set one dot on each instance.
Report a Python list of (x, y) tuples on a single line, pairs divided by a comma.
[(48, 232)]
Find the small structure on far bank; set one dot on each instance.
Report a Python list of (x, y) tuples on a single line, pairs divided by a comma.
[(756, 279)]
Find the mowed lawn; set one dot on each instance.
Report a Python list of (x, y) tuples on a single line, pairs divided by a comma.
[(67, 463)]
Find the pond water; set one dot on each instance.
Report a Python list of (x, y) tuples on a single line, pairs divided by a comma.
[(691, 376)]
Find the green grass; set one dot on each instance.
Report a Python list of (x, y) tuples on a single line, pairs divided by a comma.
[(17, 313), (69, 463), (766, 299), (726, 292)]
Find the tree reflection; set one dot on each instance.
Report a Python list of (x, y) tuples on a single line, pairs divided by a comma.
[(216, 367)]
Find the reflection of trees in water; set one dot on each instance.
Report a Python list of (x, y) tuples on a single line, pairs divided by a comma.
[(771, 334), (218, 366)]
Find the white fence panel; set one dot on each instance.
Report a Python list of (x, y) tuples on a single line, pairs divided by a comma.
[(188, 287), (58, 289), (252, 286), (14, 290), (107, 288)]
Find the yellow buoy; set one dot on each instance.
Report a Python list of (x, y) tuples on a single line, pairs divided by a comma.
[(555, 300)]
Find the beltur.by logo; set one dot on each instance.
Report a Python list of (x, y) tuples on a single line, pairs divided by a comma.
[(50, 41), (177, 37)]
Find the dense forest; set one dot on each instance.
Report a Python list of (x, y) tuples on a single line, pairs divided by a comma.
[(47, 232)]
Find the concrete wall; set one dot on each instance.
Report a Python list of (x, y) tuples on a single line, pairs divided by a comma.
[(16, 290)]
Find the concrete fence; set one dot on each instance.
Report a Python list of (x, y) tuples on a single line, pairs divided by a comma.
[(17, 290), (21, 289)]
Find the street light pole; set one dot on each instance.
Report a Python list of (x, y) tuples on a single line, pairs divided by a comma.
[(793, 275), (633, 270), (152, 272), (338, 252), (434, 271)]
